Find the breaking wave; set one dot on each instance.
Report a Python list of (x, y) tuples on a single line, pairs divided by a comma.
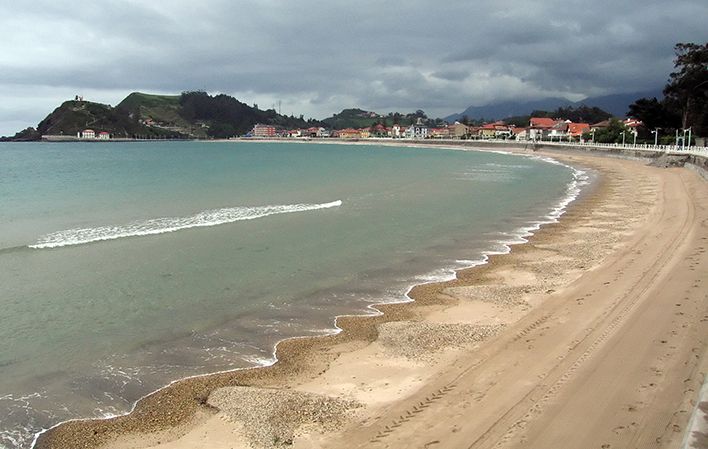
[(153, 226)]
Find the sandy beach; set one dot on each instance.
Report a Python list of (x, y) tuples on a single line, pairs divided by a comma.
[(592, 335)]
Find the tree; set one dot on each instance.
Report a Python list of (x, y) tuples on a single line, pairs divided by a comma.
[(687, 90), (654, 114), (613, 132)]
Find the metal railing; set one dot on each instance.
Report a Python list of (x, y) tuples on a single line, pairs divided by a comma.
[(671, 149)]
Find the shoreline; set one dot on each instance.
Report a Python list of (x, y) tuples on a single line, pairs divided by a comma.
[(294, 355), (519, 236)]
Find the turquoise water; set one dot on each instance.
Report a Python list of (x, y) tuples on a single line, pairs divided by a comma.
[(124, 266)]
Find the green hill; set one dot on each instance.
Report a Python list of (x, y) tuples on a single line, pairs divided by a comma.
[(160, 111), (353, 118), (359, 118), (74, 116)]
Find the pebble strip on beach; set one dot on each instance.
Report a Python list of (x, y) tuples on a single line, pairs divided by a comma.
[(271, 417), (422, 340)]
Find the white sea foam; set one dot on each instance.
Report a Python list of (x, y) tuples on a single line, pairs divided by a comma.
[(154, 226)]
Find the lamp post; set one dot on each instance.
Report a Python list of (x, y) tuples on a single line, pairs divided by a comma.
[(656, 136), (634, 132), (592, 133), (689, 137), (623, 138)]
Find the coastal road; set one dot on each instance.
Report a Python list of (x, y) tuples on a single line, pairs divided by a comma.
[(612, 361)]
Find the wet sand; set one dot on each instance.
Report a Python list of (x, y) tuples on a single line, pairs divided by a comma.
[(593, 333)]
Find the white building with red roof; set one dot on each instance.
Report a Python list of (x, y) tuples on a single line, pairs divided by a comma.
[(86, 134)]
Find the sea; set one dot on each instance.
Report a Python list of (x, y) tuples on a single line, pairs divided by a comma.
[(126, 266)]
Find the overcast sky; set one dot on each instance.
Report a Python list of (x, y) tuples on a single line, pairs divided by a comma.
[(318, 57)]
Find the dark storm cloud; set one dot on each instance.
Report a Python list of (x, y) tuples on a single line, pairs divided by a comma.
[(319, 57)]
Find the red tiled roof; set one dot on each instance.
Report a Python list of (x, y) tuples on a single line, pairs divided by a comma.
[(577, 129), (542, 122)]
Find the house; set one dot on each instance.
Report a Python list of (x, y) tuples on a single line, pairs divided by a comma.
[(314, 131), (364, 133), (540, 127), (397, 131), (559, 130), (487, 131), (541, 122), (380, 131), (348, 133), (458, 130), (633, 123), (521, 133), (440, 133), (496, 130), (103, 135), (86, 134), (576, 130), (600, 125), (260, 130)]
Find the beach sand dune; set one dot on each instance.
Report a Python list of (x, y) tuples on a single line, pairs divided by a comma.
[(592, 335)]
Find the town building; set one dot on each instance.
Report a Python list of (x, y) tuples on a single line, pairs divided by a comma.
[(458, 130), (576, 130), (521, 133), (417, 131), (540, 128), (397, 131), (260, 130), (86, 134), (103, 135), (348, 133)]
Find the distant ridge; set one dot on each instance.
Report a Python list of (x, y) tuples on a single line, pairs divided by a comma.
[(616, 104)]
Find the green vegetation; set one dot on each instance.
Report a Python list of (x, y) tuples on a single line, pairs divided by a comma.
[(580, 114), (685, 102), (160, 109), (612, 133), (224, 116), (74, 116), (353, 118), (358, 118)]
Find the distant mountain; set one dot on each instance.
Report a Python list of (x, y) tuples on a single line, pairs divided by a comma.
[(506, 109), (616, 104)]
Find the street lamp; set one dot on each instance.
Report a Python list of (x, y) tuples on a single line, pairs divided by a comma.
[(683, 139), (656, 136), (634, 131), (689, 135), (592, 133), (622, 138)]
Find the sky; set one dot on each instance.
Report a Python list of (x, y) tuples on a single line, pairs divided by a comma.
[(318, 57)]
